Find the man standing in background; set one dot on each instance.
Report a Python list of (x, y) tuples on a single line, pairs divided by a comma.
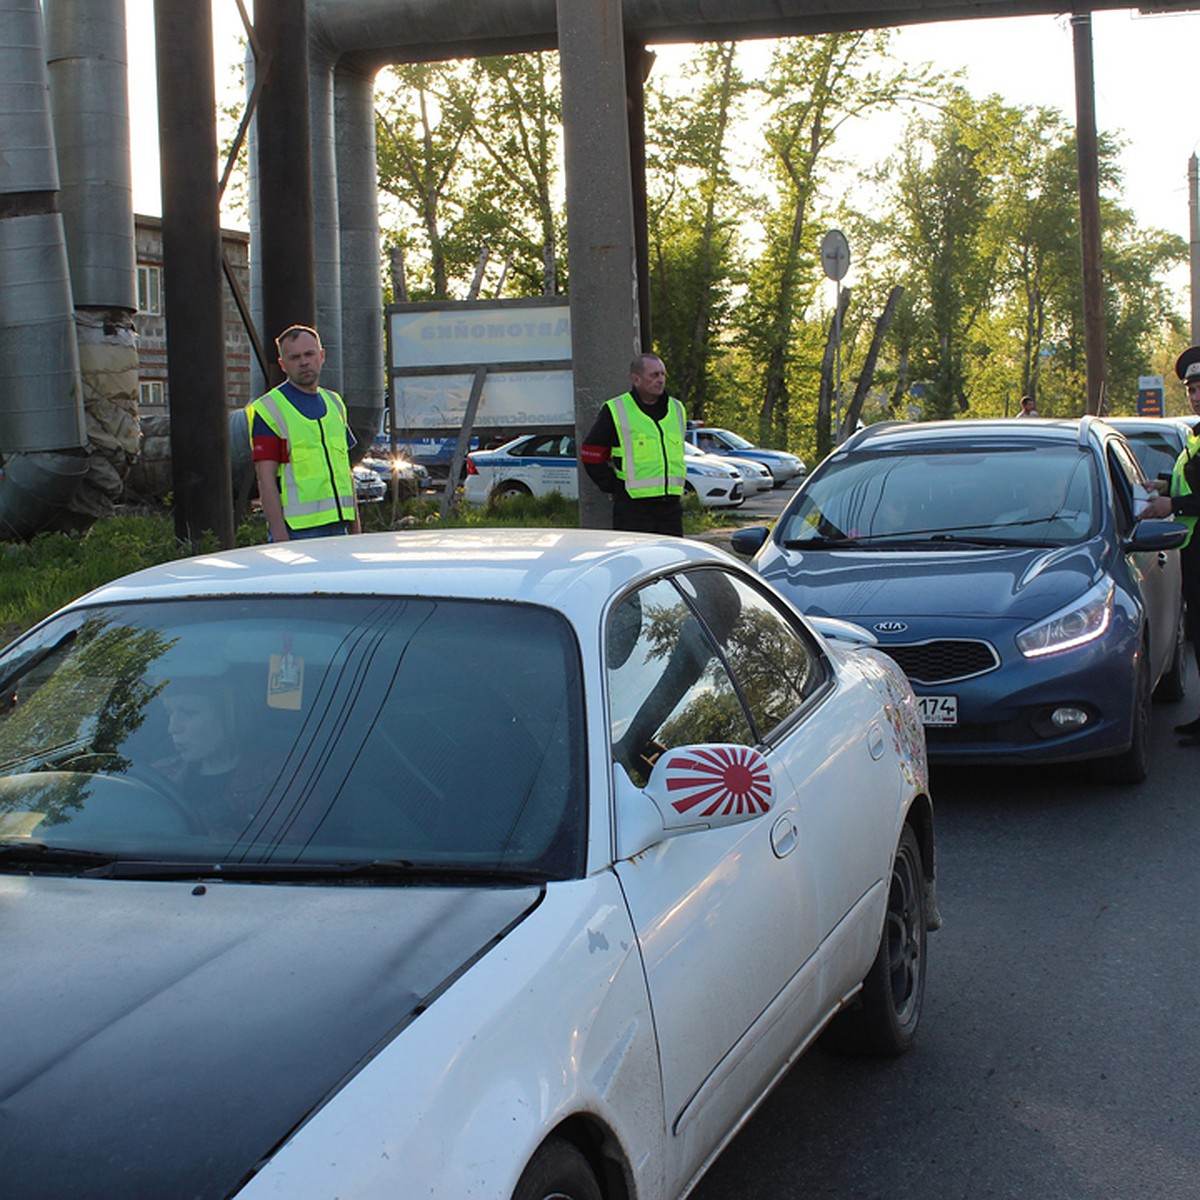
[(634, 452), (301, 440)]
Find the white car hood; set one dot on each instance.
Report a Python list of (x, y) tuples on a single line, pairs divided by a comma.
[(162, 1039)]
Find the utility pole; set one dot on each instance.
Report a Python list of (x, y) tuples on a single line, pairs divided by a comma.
[(192, 273), (285, 187), (1194, 226), (1095, 335)]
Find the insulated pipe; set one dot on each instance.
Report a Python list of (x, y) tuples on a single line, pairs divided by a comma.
[(40, 399), (85, 46), (86, 61)]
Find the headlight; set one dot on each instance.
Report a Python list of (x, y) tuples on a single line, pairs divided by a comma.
[(1081, 622), (705, 469)]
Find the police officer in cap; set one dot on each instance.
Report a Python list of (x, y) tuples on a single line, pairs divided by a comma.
[(1181, 500)]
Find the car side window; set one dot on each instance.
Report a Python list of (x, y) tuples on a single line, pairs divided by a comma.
[(667, 685), (777, 665), (1126, 478)]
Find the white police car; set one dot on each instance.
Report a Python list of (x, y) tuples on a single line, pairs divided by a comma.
[(540, 463)]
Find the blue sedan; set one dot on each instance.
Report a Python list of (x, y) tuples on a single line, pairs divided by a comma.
[(1002, 565)]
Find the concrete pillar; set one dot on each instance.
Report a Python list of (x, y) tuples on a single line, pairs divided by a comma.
[(358, 216), (605, 322)]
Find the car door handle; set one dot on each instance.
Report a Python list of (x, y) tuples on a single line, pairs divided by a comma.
[(784, 838), (875, 742)]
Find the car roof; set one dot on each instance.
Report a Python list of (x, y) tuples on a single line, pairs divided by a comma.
[(981, 433), (1134, 423), (574, 570)]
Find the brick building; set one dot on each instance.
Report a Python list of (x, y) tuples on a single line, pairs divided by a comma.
[(152, 326)]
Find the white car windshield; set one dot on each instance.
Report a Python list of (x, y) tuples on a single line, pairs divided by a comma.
[(297, 732), (1039, 495)]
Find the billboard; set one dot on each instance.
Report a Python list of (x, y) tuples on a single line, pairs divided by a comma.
[(522, 347)]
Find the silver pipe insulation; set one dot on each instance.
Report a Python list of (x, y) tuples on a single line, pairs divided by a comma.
[(86, 56), (41, 409)]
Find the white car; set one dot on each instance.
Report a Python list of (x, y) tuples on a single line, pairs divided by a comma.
[(369, 486), (540, 463), (503, 864), (784, 467), (755, 477)]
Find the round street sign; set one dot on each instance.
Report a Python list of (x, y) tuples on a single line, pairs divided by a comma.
[(835, 254)]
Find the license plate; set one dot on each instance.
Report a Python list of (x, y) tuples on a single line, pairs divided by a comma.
[(939, 710)]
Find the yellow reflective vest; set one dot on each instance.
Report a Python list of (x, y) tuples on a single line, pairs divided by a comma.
[(649, 460), (1179, 483), (316, 484)]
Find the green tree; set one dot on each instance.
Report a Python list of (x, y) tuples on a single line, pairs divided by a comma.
[(515, 119), (422, 145), (813, 88), (694, 213), (942, 200)]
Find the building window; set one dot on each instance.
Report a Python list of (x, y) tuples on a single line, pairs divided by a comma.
[(151, 394), (150, 291)]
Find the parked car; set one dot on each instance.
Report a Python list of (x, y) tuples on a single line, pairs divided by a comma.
[(434, 454), (755, 477), (523, 860), (540, 463), (1157, 441), (412, 478), (1001, 564), (369, 486), (783, 466)]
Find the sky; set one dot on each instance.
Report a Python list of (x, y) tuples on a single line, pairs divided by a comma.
[(1143, 90)]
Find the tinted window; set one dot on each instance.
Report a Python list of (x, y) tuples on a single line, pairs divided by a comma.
[(667, 685), (342, 729), (777, 668), (1040, 493), (1155, 451)]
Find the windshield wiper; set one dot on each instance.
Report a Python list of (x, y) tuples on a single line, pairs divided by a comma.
[(382, 870), (21, 852), (958, 539), (819, 543)]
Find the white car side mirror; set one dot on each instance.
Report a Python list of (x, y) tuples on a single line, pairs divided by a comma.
[(693, 788)]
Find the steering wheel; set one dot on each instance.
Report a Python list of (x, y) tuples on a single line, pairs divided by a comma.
[(164, 789)]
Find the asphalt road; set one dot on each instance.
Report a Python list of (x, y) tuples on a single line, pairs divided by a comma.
[(1058, 1057)]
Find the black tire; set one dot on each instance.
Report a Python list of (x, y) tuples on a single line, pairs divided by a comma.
[(508, 490), (1132, 765), (884, 1019), (1172, 687), (558, 1171)]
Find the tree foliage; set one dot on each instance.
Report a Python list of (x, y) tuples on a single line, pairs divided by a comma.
[(968, 238)]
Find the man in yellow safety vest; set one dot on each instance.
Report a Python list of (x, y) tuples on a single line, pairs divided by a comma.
[(634, 452), (301, 442), (1182, 501)]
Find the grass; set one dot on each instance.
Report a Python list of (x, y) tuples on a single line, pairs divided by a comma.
[(40, 576)]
